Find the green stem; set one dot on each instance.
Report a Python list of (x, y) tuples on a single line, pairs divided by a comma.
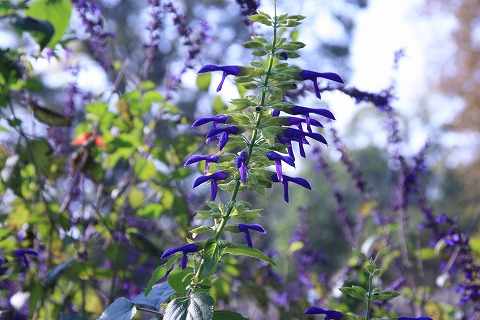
[(369, 298), (251, 145)]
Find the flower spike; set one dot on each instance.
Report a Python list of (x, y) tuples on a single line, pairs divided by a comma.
[(227, 70), (245, 228), (185, 250)]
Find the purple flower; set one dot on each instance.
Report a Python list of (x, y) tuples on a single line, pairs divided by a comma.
[(298, 122), (419, 318), (245, 228), (299, 134), (22, 254), (286, 179), (213, 178), (225, 132), (241, 165), (278, 158), (197, 158), (227, 70), (185, 250), (329, 314), (222, 118), (312, 75)]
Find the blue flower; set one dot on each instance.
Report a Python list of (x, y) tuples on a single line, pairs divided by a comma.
[(241, 165), (221, 118), (209, 158), (225, 132), (227, 70), (312, 75), (299, 134), (329, 314), (185, 250), (245, 228), (286, 179), (213, 178), (278, 158), (22, 254), (419, 318)]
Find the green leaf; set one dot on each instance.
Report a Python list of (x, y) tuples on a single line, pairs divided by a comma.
[(359, 254), (354, 291), (160, 293), (201, 229), (242, 250), (212, 254), (385, 295), (135, 198), (120, 309), (52, 276), (150, 211), (144, 169), (198, 306), (50, 117), (180, 279), (203, 81), (57, 13), (161, 271), (252, 45), (382, 253), (227, 315)]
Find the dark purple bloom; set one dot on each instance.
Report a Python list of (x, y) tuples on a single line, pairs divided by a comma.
[(22, 254), (245, 228), (299, 134), (419, 318), (225, 132), (241, 165), (278, 158), (227, 70), (222, 118), (306, 112), (286, 179), (197, 158), (298, 122), (329, 314), (185, 250), (213, 178), (312, 75)]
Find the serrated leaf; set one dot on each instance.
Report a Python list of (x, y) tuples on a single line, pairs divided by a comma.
[(161, 271), (180, 279), (159, 294), (212, 254), (53, 275), (227, 315), (198, 306), (120, 309), (243, 250)]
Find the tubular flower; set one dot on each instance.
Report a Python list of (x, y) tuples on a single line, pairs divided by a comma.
[(419, 318), (329, 314), (245, 228), (213, 178), (22, 254), (286, 179), (185, 250), (222, 118), (225, 132), (298, 110), (278, 158), (241, 165), (209, 158), (295, 133), (312, 75), (227, 70)]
